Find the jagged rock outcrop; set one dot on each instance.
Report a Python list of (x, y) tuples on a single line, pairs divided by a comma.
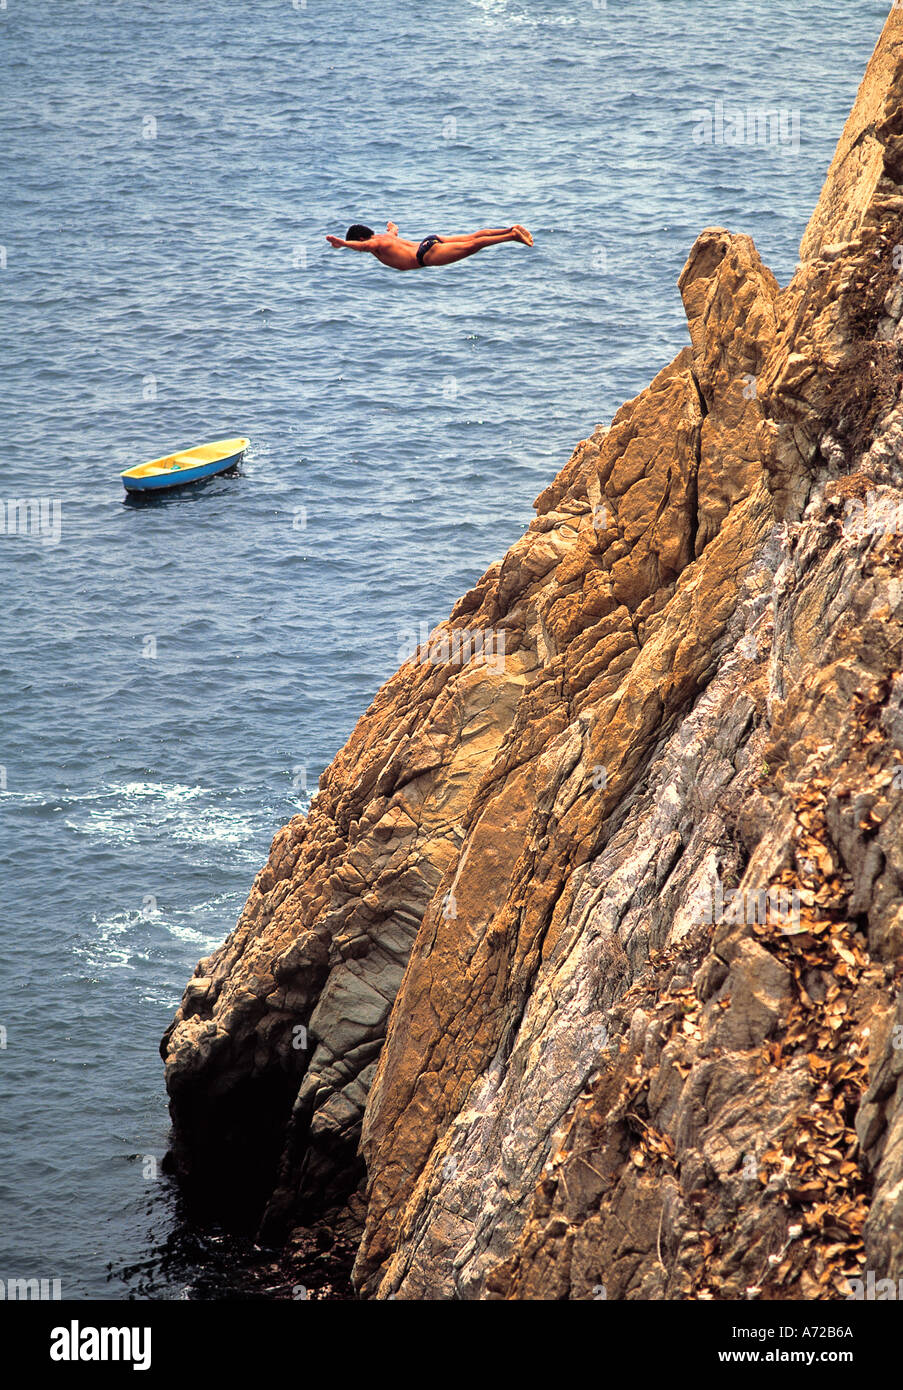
[(591, 937), (270, 1057)]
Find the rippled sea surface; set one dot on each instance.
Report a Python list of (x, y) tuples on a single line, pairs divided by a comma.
[(175, 676)]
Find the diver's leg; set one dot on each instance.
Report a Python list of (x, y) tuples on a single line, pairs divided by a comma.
[(484, 231), (446, 252)]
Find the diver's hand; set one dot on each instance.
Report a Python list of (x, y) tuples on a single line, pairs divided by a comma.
[(336, 241)]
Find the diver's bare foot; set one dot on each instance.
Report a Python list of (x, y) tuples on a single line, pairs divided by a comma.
[(522, 234)]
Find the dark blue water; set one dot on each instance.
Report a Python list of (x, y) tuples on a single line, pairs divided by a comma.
[(173, 678)]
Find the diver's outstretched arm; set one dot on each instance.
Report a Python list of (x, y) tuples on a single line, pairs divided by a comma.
[(352, 245)]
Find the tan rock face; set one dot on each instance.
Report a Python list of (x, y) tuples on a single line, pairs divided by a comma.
[(589, 937), (858, 167), (730, 299), (269, 1059), (713, 1149)]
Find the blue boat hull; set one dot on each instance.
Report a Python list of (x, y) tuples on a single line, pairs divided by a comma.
[(183, 476)]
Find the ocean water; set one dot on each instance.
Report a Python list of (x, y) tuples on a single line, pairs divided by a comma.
[(175, 676)]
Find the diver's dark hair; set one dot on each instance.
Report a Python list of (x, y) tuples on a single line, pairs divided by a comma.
[(359, 233)]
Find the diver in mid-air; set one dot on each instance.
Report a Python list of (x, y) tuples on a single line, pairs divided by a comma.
[(393, 250)]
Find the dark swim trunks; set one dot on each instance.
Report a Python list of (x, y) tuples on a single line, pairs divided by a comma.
[(426, 245)]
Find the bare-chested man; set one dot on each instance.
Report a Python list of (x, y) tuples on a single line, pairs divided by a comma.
[(393, 250)]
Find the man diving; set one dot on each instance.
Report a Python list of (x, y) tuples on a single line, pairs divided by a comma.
[(393, 250)]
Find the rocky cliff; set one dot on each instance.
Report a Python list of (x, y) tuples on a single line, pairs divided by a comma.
[(582, 972)]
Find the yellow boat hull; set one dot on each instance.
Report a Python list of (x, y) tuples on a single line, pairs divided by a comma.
[(186, 466)]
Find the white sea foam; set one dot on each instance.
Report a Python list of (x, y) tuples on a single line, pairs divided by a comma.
[(135, 812), (128, 939)]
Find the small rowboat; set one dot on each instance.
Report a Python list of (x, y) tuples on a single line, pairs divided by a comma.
[(187, 466)]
